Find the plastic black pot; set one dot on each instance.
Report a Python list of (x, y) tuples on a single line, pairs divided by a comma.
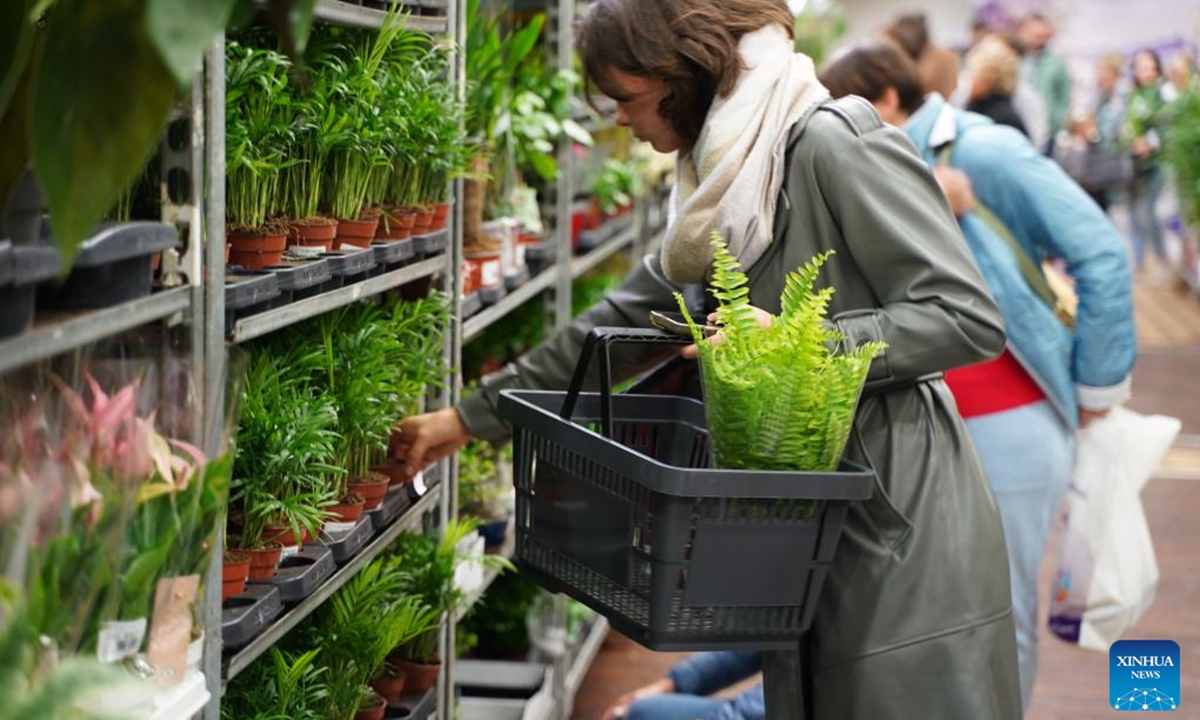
[(113, 266), (22, 267)]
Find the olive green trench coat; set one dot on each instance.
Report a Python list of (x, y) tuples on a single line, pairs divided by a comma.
[(915, 618)]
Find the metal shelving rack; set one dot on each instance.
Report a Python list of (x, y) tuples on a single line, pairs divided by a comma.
[(438, 500)]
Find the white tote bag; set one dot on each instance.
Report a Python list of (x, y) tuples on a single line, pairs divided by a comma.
[(1107, 574)]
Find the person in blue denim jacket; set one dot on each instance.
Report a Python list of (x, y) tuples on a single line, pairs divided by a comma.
[(684, 693), (1022, 410)]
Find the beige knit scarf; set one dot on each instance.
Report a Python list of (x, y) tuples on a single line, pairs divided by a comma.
[(730, 179)]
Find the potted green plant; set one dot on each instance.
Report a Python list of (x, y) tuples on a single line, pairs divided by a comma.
[(430, 565), (285, 451), (780, 396), (256, 130), (280, 685)]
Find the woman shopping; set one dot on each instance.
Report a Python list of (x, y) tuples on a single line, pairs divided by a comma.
[(1023, 408), (915, 610)]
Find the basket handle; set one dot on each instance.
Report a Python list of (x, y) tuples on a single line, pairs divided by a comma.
[(603, 338)]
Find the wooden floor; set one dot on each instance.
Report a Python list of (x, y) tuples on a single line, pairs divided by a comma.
[(1072, 684)]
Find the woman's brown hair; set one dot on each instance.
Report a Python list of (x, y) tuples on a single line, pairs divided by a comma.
[(692, 46), (870, 69)]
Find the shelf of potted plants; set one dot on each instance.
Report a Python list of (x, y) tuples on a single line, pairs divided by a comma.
[(411, 521), (584, 657), (584, 263), (64, 331), (490, 573), (476, 324)]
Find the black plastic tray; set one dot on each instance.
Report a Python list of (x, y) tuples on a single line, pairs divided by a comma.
[(247, 293), (113, 266), (350, 263), (389, 253), (491, 296), (471, 304), (514, 280), (394, 503), (499, 679), (244, 616), (431, 243), (300, 574), (22, 267), (537, 257), (346, 545), (301, 277)]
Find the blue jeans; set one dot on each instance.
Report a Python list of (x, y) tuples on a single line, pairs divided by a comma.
[(671, 707), (1027, 454), (1143, 218)]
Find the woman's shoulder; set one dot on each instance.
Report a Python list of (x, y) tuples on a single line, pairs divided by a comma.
[(830, 130)]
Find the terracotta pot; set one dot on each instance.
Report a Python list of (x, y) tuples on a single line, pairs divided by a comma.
[(246, 242), (228, 249), (488, 267), (315, 233), (372, 709), (349, 510), (372, 488), (358, 233), (423, 222), (264, 560), (441, 212), (395, 226), (234, 570), (394, 470), (389, 685), (285, 535), (256, 260), (420, 677)]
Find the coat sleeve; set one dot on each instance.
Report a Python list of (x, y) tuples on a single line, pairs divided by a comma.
[(550, 365), (1054, 218), (934, 310)]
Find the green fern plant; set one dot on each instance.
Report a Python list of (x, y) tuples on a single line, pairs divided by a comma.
[(783, 396)]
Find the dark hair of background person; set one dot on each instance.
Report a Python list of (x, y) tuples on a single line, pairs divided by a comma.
[(1034, 16), (869, 69), (1158, 65), (911, 33), (691, 46)]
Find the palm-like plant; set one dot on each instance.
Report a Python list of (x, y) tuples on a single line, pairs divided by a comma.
[(289, 687), (1182, 150), (257, 131), (780, 397), (286, 445)]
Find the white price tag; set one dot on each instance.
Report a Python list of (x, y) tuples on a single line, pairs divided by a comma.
[(521, 247), (339, 528), (418, 483), (120, 639), (289, 551), (491, 273)]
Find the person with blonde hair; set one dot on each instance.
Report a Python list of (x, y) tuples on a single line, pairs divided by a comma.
[(995, 71)]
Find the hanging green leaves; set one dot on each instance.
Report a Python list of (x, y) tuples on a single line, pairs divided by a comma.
[(101, 97), (181, 30), (781, 396)]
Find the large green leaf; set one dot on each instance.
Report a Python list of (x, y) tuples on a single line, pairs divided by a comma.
[(14, 128), (16, 40), (101, 97), (183, 29)]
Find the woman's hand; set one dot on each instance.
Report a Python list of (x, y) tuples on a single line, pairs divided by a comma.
[(763, 318), (621, 706), (1141, 147), (422, 440)]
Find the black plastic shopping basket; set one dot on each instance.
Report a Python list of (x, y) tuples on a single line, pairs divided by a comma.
[(617, 506)]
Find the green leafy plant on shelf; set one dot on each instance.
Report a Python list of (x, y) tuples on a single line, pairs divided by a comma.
[(366, 620), (430, 565), (258, 134), (86, 90), (495, 628), (617, 184), (783, 396), (286, 446), (280, 685)]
